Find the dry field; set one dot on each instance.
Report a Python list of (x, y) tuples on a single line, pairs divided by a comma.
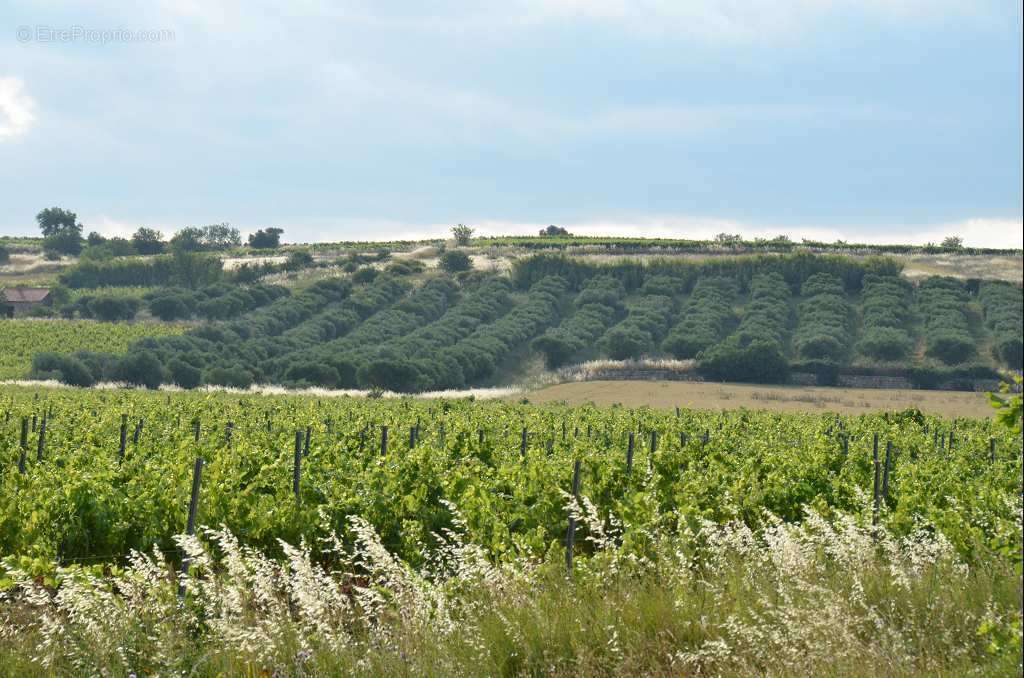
[(714, 396)]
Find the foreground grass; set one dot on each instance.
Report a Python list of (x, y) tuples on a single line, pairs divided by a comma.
[(827, 598)]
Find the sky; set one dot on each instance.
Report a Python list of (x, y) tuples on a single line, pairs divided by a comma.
[(862, 120)]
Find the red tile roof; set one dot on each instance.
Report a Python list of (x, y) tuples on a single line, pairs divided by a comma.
[(25, 294)]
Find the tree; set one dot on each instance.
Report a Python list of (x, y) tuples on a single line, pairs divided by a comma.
[(221, 237), (266, 238), (189, 239), (455, 261), (148, 241), (141, 368), (5, 256), (65, 241), (953, 242), (728, 239), (462, 234), (55, 219), (553, 230), (297, 261)]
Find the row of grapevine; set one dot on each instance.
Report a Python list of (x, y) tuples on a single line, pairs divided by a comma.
[(72, 490)]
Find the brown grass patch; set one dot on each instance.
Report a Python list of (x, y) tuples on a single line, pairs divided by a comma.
[(714, 396)]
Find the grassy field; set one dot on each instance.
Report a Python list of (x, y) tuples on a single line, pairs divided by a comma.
[(713, 396)]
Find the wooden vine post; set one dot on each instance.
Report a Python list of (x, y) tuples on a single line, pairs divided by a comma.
[(570, 534), (190, 526)]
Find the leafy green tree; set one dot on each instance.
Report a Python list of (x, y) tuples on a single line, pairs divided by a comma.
[(462, 234), (53, 220), (953, 242), (189, 239), (455, 261), (148, 241), (183, 374), (266, 238), (5, 256)]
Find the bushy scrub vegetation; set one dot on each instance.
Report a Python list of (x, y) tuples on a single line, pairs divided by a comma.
[(1003, 305), (596, 307), (942, 305), (821, 340), (633, 273), (639, 333), (885, 311), (756, 351), (741, 540), (182, 269), (706, 318)]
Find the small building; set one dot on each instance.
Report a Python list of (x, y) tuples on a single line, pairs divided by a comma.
[(18, 301)]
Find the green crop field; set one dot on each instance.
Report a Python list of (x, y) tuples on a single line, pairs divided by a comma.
[(365, 536), (21, 339)]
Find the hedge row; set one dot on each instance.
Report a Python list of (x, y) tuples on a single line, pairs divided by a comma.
[(1003, 305), (885, 310), (756, 350), (707, 317), (823, 332), (641, 331), (632, 273), (596, 307), (394, 363), (942, 304), (182, 270)]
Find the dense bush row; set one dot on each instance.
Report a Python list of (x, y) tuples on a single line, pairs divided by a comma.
[(420, 360), (182, 270), (794, 269), (642, 330), (885, 310), (942, 304), (339, 360), (227, 353), (756, 351), (596, 307), (823, 331), (1003, 304), (707, 317)]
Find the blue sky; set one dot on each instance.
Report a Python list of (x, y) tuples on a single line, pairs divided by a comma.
[(869, 120)]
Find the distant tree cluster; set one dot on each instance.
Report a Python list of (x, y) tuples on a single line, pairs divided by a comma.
[(265, 239), (942, 303), (885, 310), (756, 350), (706, 319), (1003, 304), (553, 230)]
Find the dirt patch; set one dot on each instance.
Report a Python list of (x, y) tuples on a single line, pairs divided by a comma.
[(713, 396)]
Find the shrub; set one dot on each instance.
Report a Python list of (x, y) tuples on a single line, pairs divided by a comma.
[(113, 309), (184, 374), (455, 261), (141, 368), (885, 343), (170, 307)]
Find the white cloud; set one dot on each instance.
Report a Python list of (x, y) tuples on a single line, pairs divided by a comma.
[(16, 109)]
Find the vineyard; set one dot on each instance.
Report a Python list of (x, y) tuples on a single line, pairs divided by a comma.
[(25, 338), (786, 319), (414, 525)]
